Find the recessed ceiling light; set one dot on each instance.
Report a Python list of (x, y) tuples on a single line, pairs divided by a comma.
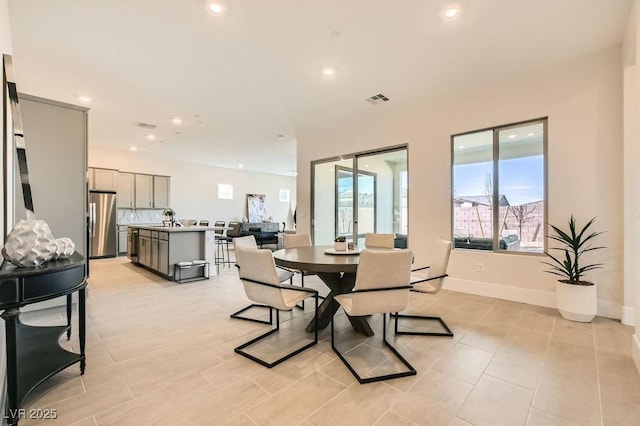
[(176, 120), (151, 136), (162, 142), (451, 12), (280, 136), (511, 136), (84, 98), (240, 166), (178, 133), (133, 148), (328, 71), (216, 8), (335, 34)]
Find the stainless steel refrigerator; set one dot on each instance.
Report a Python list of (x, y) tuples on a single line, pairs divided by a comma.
[(103, 233)]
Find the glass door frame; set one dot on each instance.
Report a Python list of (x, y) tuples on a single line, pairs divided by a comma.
[(355, 197), (354, 157)]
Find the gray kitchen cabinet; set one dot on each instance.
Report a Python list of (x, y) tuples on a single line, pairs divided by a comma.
[(144, 248), (103, 179), (153, 250), (122, 239), (163, 253), (126, 189), (153, 264), (144, 191), (161, 191)]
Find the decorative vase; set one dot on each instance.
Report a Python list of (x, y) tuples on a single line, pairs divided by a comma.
[(576, 302), (340, 246), (31, 243)]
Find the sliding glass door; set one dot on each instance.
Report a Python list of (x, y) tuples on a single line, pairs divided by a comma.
[(358, 194)]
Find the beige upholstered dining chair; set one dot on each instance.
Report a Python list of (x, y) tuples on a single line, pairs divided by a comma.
[(382, 286), (249, 242), (262, 285), (378, 241), (430, 283), (297, 241)]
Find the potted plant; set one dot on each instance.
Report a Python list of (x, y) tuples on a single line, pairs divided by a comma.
[(168, 215), (340, 244), (576, 298)]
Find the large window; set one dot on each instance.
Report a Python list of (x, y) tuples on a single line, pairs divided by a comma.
[(499, 188)]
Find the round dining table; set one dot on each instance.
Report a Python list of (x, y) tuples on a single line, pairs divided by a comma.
[(337, 271)]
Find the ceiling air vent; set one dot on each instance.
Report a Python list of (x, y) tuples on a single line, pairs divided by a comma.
[(376, 99), (146, 126)]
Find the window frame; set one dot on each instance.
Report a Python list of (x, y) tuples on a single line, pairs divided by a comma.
[(495, 216)]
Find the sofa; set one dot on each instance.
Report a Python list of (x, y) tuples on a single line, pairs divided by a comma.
[(508, 242), (264, 232), (400, 241)]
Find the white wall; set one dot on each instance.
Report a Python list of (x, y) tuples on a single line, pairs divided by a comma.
[(583, 100), (5, 47), (631, 49), (194, 188)]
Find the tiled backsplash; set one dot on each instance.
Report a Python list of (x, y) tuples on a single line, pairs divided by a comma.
[(126, 216)]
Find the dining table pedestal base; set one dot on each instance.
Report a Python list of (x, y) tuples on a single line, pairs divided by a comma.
[(338, 283)]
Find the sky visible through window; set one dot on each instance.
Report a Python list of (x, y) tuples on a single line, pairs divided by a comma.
[(521, 179)]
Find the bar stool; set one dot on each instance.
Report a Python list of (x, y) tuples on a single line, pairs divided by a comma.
[(222, 242)]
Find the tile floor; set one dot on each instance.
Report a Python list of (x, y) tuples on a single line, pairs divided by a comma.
[(161, 353)]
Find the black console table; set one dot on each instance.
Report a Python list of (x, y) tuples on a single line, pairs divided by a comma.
[(33, 353)]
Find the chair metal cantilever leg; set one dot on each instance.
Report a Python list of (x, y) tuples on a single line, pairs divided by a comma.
[(411, 371), (447, 331), (431, 285), (240, 349), (237, 315)]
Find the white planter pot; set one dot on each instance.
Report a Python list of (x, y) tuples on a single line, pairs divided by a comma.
[(340, 246), (576, 302)]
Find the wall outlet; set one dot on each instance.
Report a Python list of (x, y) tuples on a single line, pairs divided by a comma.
[(480, 267)]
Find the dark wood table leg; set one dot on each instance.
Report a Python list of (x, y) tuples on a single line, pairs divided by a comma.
[(10, 317), (82, 318), (338, 283), (69, 304)]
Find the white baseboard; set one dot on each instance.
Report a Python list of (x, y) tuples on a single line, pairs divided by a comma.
[(609, 309), (532, 297), (635, 350), (514, 294), (629, 315)]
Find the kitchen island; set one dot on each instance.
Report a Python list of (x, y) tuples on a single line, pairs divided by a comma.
[(160, 248)]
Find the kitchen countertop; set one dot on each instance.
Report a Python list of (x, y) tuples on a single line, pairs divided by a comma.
[(194, 228)]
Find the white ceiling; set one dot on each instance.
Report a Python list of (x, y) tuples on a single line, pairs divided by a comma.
[(254, 73)]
